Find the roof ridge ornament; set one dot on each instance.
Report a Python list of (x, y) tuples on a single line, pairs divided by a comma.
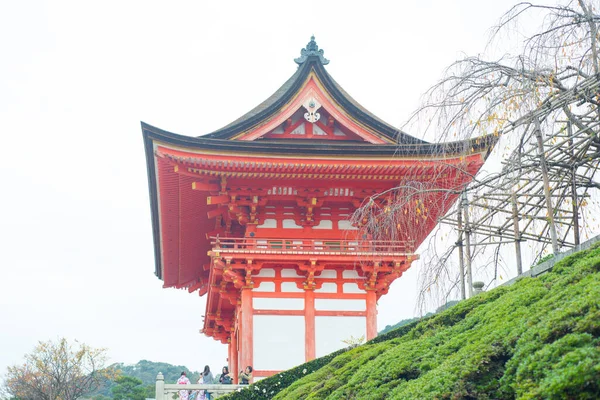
[(311, 50)]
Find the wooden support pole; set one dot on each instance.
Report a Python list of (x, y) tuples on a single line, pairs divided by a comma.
[(544, 167), (461, 257), (465, 207), (574, 199), (517, 233)]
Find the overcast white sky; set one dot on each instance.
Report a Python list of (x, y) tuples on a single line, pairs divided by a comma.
[(76, 79)]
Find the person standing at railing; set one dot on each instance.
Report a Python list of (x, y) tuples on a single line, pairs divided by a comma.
[(207, 378), (245, 376), (225, 378), (183, 380)]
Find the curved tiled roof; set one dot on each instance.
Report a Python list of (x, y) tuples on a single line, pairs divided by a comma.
[(324, 148), (271, 106)]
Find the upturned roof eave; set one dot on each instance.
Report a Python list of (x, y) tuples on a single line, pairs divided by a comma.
[(464, 147), (153, 198), (272, 105), (152, 134)]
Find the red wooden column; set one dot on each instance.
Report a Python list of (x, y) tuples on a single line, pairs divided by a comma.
[(229, 359), (233, 357), (309, 324), (247, 331), (371, 314)]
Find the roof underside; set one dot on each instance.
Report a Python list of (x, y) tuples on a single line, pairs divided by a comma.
[(318, 148), (366, 151), (191, 156)]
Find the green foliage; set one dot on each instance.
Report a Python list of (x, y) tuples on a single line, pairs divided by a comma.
[(545, 258), (146, 372), (128, 388), (536, 339), (269, 387)]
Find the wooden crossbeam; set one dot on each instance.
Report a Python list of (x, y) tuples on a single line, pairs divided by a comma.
[(222, 199), (207, 187), (216, 212)]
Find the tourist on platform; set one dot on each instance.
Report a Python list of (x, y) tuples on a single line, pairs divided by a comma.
[(183, 380), (198, 394), (225, 378), (245, 376), (207, 378)]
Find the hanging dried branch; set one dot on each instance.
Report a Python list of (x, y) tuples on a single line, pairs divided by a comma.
[(550, 85)]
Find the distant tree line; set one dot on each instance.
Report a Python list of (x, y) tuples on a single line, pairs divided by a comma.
[(60, 370)]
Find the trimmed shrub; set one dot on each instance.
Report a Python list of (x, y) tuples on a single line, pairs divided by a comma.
[(536, 339)]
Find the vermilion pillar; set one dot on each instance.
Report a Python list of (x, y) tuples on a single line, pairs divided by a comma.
[(233, 357), (246, 339), (371, 314), (309, 324)]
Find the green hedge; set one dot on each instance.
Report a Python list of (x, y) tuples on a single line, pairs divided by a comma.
[(536, 339), (267, 388)]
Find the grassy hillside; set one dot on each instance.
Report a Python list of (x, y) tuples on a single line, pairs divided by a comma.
[(537, 339)]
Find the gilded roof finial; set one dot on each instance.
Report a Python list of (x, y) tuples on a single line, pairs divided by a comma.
[(311, 50)]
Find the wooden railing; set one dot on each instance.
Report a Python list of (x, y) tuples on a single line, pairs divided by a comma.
[(166, 391), (315, 246)]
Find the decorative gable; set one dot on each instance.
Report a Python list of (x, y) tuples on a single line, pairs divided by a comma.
[(322, 127), (312, 105), (312, 114)]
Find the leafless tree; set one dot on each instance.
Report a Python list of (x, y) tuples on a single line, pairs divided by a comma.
[(542, 103), (58, 370)]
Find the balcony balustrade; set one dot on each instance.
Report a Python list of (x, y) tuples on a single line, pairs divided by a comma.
[(365, 248), (166, 391)]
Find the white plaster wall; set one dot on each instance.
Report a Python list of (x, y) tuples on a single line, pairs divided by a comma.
[(290, 224), (327, 273), (340, 305), (268, 223), (330, 331), (290, 273), (267, 303), (346, 225), (266, 273), (352, 288), (290, 287), (324, 224), (350, 274), (327, 287), (278, 341), (265, 287)]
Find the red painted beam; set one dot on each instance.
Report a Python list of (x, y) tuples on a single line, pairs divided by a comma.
[(209, 187), (222, 199), (216, 212)]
